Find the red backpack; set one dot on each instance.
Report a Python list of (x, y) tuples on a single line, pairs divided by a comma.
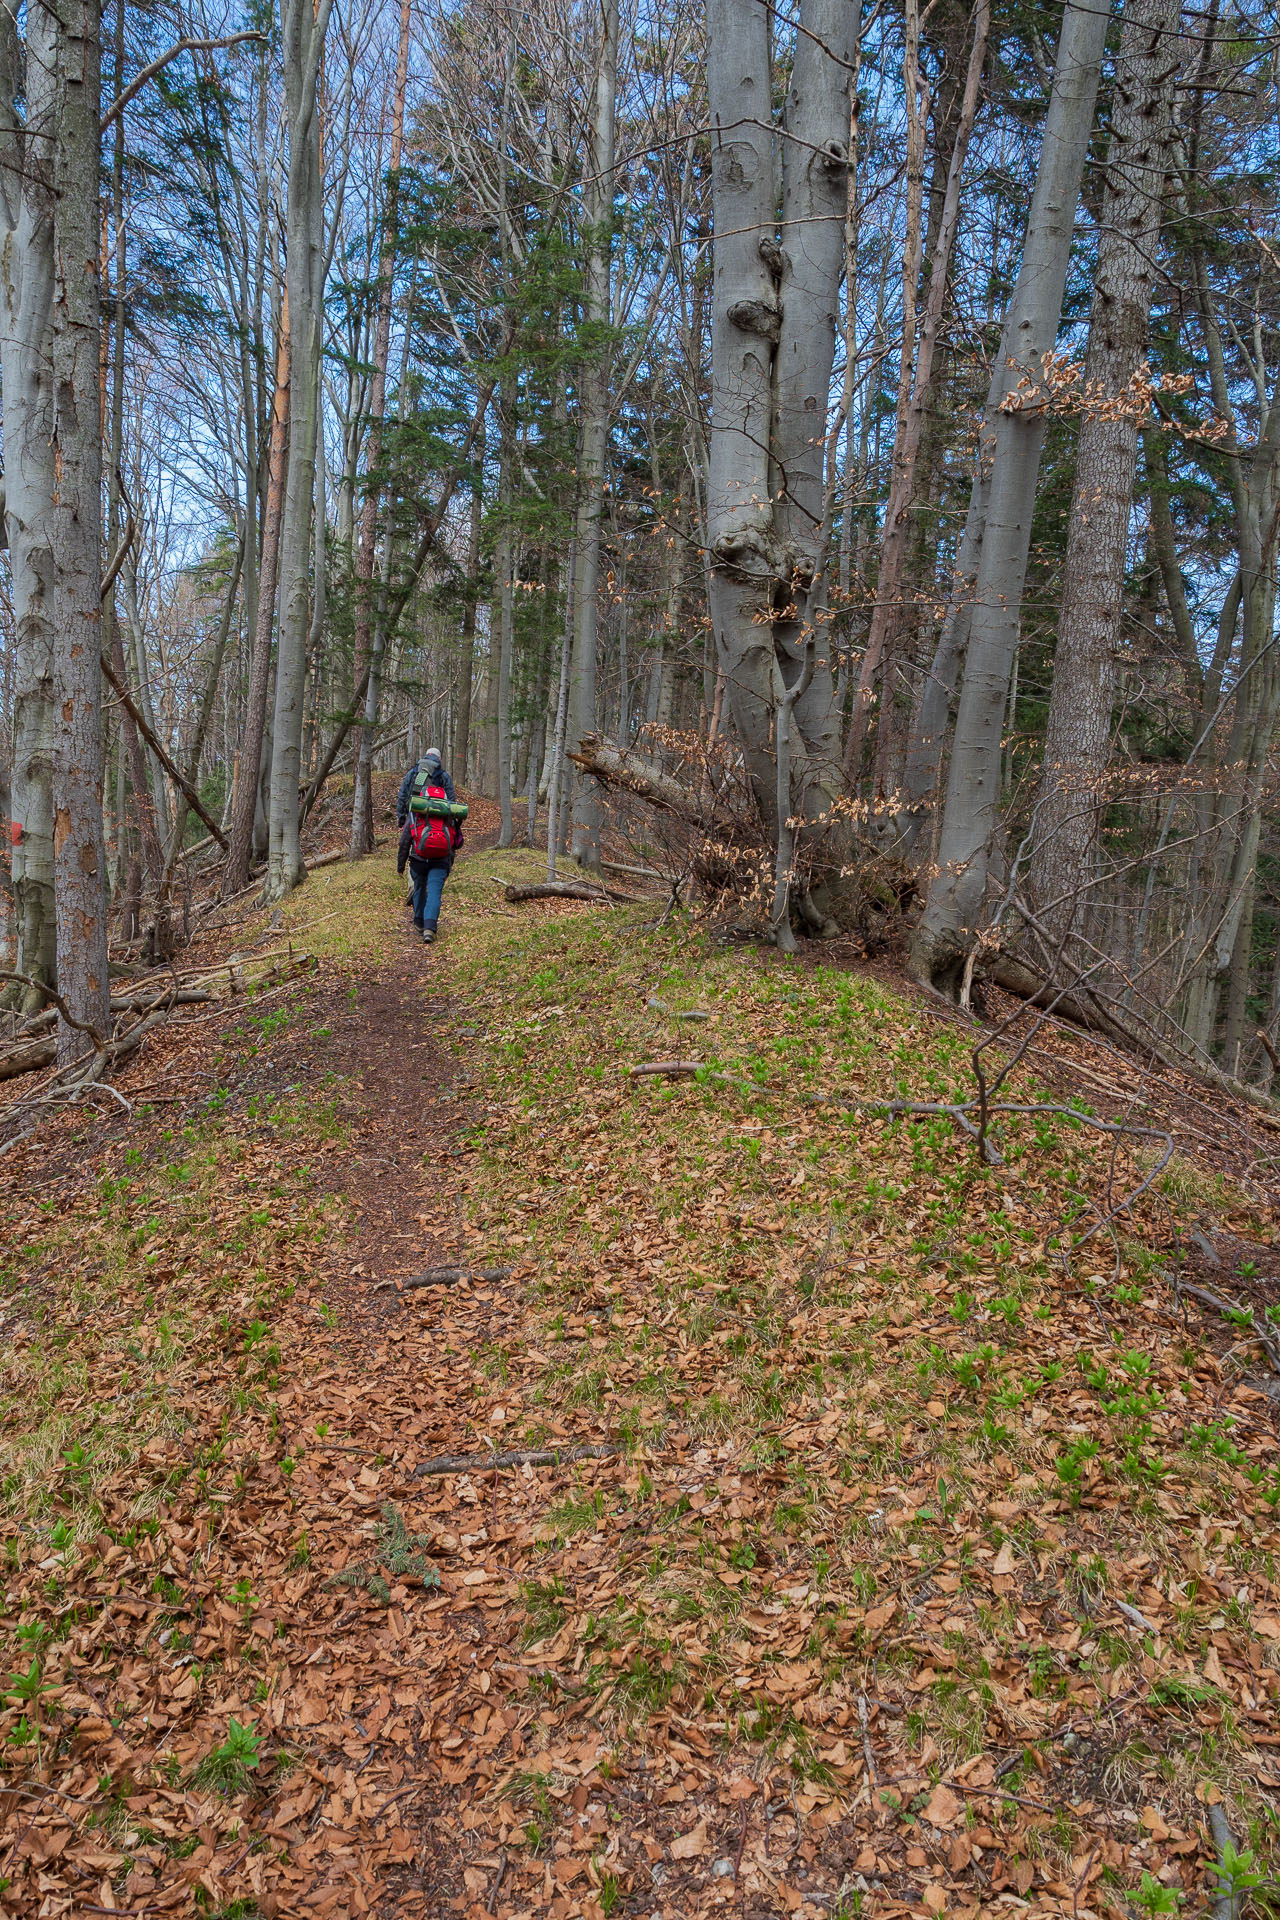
[(431, 835)]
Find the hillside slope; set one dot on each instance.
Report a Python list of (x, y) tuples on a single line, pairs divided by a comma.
[(865, 1547)]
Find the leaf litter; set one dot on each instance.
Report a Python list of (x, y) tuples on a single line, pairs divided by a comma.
[(921, 1564)]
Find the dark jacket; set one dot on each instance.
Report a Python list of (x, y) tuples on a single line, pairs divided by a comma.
[(406, 787), (434, 860)]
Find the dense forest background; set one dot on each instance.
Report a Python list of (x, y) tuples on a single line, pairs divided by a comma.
[(854, 428)]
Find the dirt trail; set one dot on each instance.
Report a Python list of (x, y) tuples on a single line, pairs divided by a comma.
[(417, 1712), (449, 1764)]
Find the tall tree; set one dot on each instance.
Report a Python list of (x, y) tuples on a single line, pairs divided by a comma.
[(304, 24), (362, 795), (1016, 426), (245, 799), (75, 533), (28, 132), (597, 213), (774, 323), (1078, 737)]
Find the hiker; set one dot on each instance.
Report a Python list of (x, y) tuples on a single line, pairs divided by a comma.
[(431, 761), (430, 836)]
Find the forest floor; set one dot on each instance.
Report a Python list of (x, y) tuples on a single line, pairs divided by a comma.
[(922, 1565)]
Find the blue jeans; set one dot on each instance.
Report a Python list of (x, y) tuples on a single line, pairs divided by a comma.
[(428, 887)]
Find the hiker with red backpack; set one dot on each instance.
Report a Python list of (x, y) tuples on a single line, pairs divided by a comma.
[(430, 835)]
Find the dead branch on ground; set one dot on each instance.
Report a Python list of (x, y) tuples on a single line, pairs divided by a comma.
[(530, 1457), (451, 1276)]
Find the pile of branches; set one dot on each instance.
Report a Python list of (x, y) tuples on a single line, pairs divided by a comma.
[(687, 809), (136, 1010), (682, 811)]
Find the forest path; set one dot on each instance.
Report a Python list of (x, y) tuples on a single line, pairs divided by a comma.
[(892, 1567)]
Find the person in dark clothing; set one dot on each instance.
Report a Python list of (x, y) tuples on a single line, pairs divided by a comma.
[(433, 763), (429, 871)]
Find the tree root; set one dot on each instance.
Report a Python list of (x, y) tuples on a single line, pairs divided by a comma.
[(127, 1003)]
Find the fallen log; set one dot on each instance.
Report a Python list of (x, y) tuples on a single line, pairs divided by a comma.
[(130, 1003), (43, 1053), (530, 1457), (1086, 1011), (1025, 984), (156, 1005), (565, 890), (643, 873), (621, 767), (672, 1069), (450, 1276), (28, 1059)]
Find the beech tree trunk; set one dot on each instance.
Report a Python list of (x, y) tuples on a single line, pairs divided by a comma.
[(27, 139), (1219, 933), (953, 910), (248, 763), (815, 165), (111, 639), (914, 393), (362, 797), (1078, 738), (503, 639), (774, 318), (594, 413), (75, 534), (467, 650), (303, 25)]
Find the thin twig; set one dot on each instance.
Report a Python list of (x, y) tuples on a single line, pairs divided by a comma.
[(492, 1900), (873, 1782)]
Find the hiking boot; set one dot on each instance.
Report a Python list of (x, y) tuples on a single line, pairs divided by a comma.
[(428, 935)]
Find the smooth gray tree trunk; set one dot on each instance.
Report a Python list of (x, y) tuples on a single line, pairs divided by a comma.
[(244, 803), (27, 141), (362, 793), (957, 893), (303, 27), (594, 408), (744, 331), (815, 165), (1078, 737), (775, 298), (75, 535)]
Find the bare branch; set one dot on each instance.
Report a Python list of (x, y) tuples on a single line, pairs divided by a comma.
[(140, 80)]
